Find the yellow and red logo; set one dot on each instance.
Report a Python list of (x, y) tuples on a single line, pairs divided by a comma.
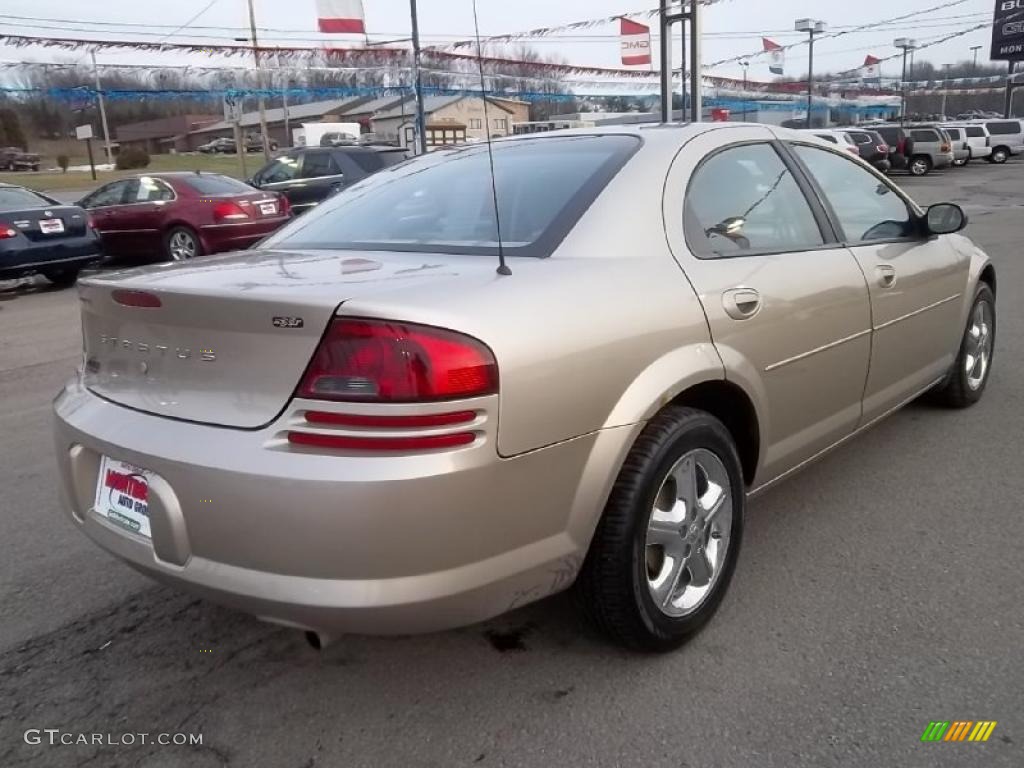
[(958, 730)]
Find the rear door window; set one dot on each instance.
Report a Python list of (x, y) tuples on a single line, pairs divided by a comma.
[(954, 133), (315, 164), (745, 200), (924, 135), (111, 194), (1003, 128), (284, 168), (975, 132), (149, 190)]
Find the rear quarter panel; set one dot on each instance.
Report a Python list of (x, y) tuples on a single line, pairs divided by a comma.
[(599, 335)]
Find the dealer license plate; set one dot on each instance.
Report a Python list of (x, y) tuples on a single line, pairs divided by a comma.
[(122, 495), (268, 209), (51, 226)]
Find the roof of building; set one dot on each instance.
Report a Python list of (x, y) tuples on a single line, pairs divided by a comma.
[(296, 112), (431, 104)]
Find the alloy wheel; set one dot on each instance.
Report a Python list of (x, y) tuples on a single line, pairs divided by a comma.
[(979, 345), (919, 167), (688, 533), (182, 246)]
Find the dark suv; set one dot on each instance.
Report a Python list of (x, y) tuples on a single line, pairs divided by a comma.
[(309, 175), (872, 147), (899, 143)]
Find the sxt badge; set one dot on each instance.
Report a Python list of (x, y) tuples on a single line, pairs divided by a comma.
[(288, 322)]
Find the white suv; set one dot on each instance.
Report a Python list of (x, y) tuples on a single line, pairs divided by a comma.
[(977, 139), (1005, 137)]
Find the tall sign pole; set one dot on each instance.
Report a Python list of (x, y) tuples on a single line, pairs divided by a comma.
[(665, 44), (696, 101), (421, 122)]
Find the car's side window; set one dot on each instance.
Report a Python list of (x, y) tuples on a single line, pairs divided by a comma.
[(925, 135), (111, 194), (283, 168), (744, 199), (316, 164), (151, 190), (867, 207)]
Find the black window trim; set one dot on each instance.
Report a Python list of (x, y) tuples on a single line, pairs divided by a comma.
[(913, 208), (692, 226)]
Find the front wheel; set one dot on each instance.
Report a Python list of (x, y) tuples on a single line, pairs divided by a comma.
[(182, 244), (999, 155), (920, 165), (965, 383), (666, 546)]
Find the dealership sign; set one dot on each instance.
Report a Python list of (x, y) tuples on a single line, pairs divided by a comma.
[(1008, 30)]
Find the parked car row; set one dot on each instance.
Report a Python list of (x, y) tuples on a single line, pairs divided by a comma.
[(173, 216), (224, 145), (919, 148)]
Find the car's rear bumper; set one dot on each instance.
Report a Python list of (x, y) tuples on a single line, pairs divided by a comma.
[(18, 258), (338, 544), (882, 164), (943, 160), (234, 237)]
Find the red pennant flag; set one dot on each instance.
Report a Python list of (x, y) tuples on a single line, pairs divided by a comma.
[(776, 56)]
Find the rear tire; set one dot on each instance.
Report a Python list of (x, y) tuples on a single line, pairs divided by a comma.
[(62, 278), (920, 165), (966, 381), (181, 243), (999, 155), (651, 584)]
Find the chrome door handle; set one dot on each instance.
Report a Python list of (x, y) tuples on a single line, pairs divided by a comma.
[(886, 275), (741, 303)]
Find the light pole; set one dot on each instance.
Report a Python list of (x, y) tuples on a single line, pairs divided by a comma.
[(974, 70), (905, 44), (259, 79), (945, 87), (744, 64), (103, 110), (811, 27), (421, 122)]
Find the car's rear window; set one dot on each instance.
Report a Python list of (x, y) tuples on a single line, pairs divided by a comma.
[(214, 184), (371, 162), (1004, 128), (443, 202), (15, 198)]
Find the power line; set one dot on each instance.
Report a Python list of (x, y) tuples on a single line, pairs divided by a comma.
[(178, 29)]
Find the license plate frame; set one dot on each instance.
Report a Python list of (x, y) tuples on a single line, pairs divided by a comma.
[(122, 496)]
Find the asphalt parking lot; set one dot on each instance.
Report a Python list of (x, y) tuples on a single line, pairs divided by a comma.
[(877, 591)]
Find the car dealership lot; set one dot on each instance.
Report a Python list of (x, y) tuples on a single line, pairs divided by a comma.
[(878, 590)]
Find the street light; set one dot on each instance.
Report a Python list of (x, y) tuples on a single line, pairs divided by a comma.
[(974, 70), (744, 64), (945, 87), (905, 44), (811, 27)]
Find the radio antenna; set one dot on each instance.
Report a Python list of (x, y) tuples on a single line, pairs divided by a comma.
[(502, 266)]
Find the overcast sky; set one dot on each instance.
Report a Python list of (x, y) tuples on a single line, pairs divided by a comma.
[(733, 27)]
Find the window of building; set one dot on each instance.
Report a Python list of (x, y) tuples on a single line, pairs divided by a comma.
[(500, 123), (476, 122)]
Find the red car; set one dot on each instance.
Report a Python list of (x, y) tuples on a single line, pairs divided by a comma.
[(182, 215)]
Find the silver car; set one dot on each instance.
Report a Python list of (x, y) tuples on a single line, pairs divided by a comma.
[(367, 425)]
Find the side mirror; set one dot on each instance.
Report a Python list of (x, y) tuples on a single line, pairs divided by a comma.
[(945, 219), (251, 181)]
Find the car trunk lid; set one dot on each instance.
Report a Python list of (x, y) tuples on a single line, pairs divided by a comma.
[(42, 224), (232, 336)]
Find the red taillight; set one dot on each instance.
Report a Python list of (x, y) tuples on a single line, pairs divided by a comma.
[(901, 146), (883, 148), (136, 299), (90, 222), (389, 422), (7, 231), (283, 205), (945, 148), (345, 443), (228, 211), (381, 361)]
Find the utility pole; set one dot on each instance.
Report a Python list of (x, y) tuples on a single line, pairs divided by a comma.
[(421, 121), (103, 110), (696, 96), (259, 80), (945, 87), (974, 70), (1008, 101), (665, 43), (668, 17)]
